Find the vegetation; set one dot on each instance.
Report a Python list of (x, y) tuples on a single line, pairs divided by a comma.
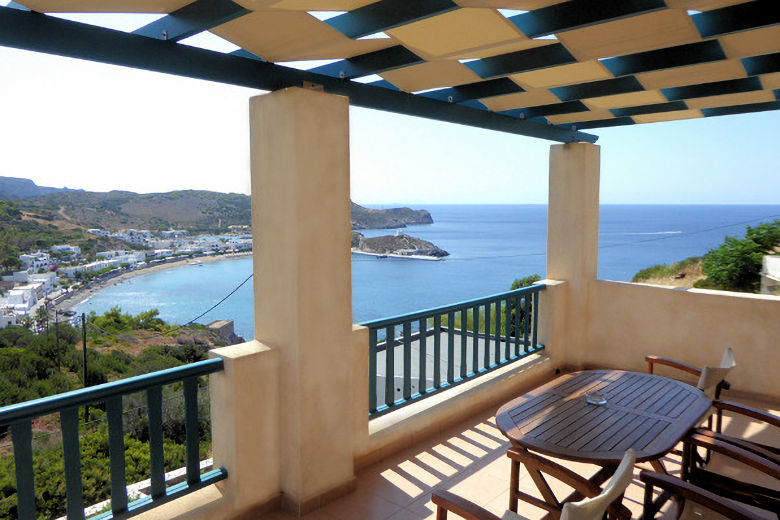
[(519, 283), (665, 271), (733, 266), (736, 264), (31, 366)]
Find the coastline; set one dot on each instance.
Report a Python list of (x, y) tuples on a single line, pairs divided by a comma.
[(81, 295), (394, 255)]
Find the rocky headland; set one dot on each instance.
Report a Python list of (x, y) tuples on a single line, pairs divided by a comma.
[(399, 245), (365, 218)]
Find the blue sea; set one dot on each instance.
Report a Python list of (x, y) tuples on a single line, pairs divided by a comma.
[(489, 247)]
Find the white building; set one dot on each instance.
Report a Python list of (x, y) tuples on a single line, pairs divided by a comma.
[(35, 261), (47, 280), (8, 318), (98, 232), (68, 249), (174, 233)]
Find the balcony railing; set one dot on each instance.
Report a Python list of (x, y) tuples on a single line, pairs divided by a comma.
[(19, 417), (416, 355)]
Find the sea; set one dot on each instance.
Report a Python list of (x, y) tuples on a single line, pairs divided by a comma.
[(489, 246)]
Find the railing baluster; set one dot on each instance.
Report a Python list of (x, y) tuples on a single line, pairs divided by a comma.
[(437, 351), (497, 352), (450, 347), (116, 453), (390, 365), (422, 384), (517, 302), (487, 335), (526, 321), (407, 360), (156, 455), (69, 422), (507, 327), (464, 322), (535, 309), (500, 323), (21, 436), (475, 340), (191, 429), (372, 354)]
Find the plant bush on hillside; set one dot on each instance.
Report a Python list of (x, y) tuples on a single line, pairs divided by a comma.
[(736, 264)]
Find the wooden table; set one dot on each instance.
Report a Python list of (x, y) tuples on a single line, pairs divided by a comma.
[(648, 413), (645, 412)]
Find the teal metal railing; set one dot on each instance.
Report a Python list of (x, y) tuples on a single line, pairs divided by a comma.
[(416, 355), (19, 418)]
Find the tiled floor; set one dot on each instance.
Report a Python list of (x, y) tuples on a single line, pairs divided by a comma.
[(469, 460)]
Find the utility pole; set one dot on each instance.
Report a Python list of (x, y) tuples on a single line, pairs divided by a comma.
[(84, 342), (57, 336)]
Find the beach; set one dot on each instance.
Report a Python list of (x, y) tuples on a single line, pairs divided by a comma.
[(80, 295)]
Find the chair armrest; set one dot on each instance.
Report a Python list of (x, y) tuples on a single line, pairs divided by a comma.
[(532, 461), (461, 507), (657, 360), (695, 494), (748, 411), (768, 452), (762, 464)]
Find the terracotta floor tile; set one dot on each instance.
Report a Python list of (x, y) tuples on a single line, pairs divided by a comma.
[(368, 507), (469, 460)]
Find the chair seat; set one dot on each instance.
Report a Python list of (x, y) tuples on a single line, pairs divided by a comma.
[(693, 511), (731, 468), (511, 515)]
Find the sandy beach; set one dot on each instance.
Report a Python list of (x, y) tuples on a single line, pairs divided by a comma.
[(80, 295)]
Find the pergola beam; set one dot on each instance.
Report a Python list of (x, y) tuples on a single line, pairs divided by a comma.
[(41, 33), (192, 19)]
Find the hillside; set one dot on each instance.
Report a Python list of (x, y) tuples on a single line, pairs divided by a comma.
[(194, 210), (189, 209), (22, 232), (15, 188)]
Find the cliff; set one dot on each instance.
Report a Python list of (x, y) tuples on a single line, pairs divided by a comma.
[(401, 244)]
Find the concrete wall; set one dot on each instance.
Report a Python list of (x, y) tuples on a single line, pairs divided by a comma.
[(628, 321)]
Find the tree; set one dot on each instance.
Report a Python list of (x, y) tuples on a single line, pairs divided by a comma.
[(527, 281), (736, 264)]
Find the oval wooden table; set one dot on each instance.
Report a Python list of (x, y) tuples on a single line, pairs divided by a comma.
[(648, 413)]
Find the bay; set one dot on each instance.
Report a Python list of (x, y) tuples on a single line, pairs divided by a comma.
[(489, 246)]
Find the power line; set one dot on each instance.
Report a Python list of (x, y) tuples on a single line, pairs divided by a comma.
[(622, 244), (231, 293)]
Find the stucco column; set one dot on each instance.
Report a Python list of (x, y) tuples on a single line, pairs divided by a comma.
[(573, 235), (303, 295)]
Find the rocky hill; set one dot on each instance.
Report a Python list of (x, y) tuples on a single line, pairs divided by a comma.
[(365, 218), (396, 245), (15, 188)]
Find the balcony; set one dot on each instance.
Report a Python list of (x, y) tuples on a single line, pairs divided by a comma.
[(320, 418)]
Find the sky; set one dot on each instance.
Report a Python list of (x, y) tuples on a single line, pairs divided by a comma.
[(80, 124)]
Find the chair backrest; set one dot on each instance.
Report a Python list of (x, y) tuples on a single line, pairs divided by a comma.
[(711, 376), (594, 508)]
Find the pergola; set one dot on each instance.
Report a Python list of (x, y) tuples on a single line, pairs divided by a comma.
[(290, 408), (545, 68)]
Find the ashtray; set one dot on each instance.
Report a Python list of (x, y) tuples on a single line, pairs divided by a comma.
[(596, 398)]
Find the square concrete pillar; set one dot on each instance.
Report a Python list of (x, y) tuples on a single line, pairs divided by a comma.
[(302, 282), (573, 235)]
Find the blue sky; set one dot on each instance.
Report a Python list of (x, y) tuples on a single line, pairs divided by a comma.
[(80, 124)]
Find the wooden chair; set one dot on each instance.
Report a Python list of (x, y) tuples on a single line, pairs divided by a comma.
[(711, 379), (739, 469), (592, 505), (698, 503)]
